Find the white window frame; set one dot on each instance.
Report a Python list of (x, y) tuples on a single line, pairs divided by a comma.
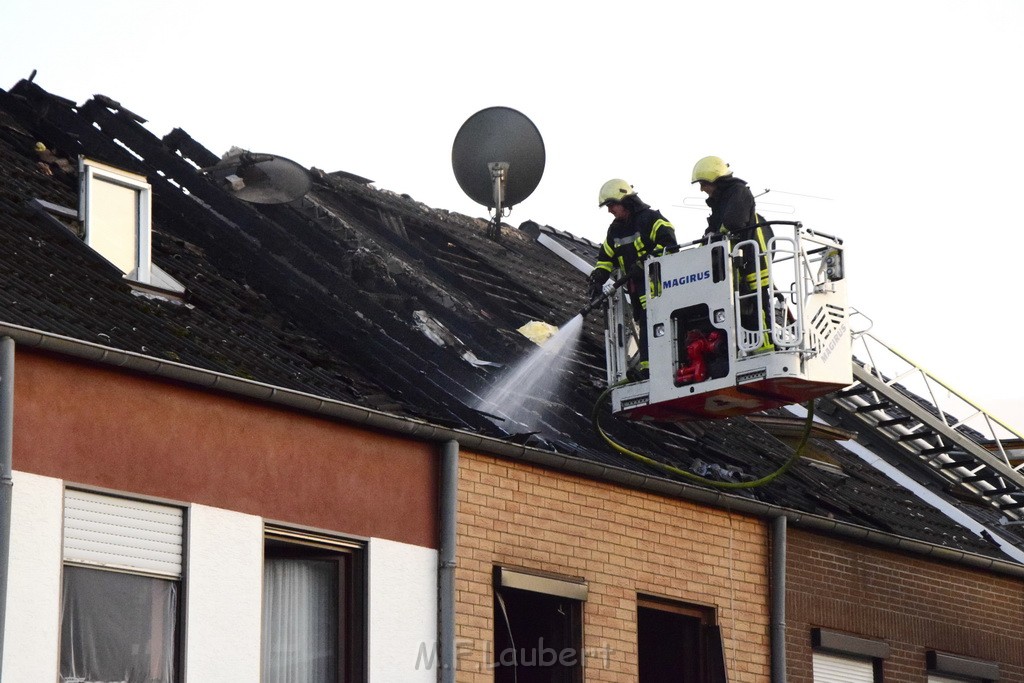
[(90, 173)]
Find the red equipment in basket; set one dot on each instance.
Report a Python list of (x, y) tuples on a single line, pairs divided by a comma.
[(697, 347)]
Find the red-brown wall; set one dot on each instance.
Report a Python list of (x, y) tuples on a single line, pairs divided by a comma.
[(98, 426), (912, 603)]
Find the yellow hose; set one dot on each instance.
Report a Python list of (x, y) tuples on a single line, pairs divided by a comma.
[(695, 477)]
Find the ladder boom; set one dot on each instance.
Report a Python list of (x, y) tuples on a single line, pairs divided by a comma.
[(906, 405)]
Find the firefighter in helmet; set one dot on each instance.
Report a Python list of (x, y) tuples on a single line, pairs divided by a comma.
[(637, 231), (734, 217)]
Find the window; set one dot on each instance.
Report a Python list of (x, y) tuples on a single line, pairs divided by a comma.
[(538, 627), (843, 658), (115, 208), (121, 590), (313, 608), (159, 284), (830, 667), (678, 643)]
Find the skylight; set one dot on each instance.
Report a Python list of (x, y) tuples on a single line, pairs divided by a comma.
[(115, 207)]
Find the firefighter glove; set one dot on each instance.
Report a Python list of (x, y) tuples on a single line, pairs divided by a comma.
[(598, 277), (712, 235)]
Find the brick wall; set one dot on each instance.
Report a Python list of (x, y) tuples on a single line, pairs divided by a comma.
[(913, 603), (622, 542)]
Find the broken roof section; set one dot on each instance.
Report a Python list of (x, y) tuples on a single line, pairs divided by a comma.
[(364, 296)]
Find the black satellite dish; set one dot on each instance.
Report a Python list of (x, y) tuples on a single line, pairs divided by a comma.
[(498, 159), (260, 178)]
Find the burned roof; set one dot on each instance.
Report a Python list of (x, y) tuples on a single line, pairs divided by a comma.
[(361, 295)]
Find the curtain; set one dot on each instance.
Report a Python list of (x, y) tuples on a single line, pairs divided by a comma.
[(117, 627), (300, 621)]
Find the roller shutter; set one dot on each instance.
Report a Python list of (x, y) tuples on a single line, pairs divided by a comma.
[(120, 533), (831, 668)]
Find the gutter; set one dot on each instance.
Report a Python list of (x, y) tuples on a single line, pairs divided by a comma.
[(420, 429)]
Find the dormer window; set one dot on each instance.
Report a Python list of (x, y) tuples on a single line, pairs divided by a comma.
[(115, 208)]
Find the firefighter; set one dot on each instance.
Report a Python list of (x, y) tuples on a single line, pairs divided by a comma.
[(734, 215), (638, 231)]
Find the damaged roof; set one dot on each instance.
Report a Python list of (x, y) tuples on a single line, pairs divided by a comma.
[(361, 295)]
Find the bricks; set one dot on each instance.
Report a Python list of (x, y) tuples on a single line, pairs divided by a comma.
[(912, 603), (623, 543), (626, 542)]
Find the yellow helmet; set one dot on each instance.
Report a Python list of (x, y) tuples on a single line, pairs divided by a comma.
[(615, 190), (710, 169)]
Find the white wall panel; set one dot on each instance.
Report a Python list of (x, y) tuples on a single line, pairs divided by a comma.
[(403, 612), (224, 595), (32, 636)]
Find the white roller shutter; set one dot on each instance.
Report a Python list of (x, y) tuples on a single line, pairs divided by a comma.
[(120, 533), (831, 668)]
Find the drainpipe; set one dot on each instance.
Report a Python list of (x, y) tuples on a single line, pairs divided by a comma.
[(448, 495), (6, 479), (778, 609)]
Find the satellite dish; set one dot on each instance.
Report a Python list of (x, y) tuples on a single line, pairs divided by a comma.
[(260, 178), (498, 159)]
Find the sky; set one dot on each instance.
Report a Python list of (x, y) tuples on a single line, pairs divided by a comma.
[(894, 124)]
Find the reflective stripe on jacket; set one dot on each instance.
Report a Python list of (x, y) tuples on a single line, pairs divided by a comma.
[(645, 233), (754, 275)]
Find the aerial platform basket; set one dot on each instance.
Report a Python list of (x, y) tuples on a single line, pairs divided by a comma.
[(718, 349)]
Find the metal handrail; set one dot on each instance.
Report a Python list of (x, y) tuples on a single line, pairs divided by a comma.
[(954, 410)]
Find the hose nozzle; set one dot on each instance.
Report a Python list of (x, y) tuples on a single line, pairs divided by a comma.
[(601, 298), (592, 305)]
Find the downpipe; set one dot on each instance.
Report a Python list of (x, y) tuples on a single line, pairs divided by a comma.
[(447, 520), (778, 597), (6, 478)]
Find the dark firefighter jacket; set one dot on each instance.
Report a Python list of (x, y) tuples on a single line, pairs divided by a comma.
[(645, 233), (733, 212)]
